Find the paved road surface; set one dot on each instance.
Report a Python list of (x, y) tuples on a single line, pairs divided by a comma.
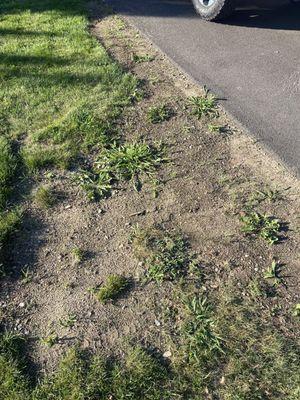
[(252, 61)]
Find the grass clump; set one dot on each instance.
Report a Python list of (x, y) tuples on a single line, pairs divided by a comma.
[(141, 58), (78, 254), (203, 105), (203, 342), (114, 287), (262, 225), (166, 256), (45, 197), (130, 161), (157, 114)]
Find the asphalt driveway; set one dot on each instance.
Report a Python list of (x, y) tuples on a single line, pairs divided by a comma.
[(252, 61)]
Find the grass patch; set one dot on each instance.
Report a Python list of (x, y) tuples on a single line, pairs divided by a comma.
[(8, 166), (114, 287), (262, 225), (141, 58), (165, 255), (157, 114), (45, 197)]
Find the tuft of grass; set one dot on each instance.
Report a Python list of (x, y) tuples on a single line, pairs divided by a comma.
[(203, 342), (165, 255), (262, 225), (45, 197), (114, 286), (157, 114), (203, 105), (296, 311), (26, 275), (141, 58), (78, 254)]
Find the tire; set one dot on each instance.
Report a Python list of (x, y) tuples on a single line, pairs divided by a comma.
[(214, 10)]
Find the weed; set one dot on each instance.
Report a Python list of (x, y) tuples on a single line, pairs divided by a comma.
[(202, 340), (296, 311), (78, 254), (114, 286), (262, 225), (157, 114), (129, 161), (273, 272), (45, 197), (203, 106), (269, 195), (27, 275), (138, 59), (96, 186), (165, 255), (49, 340), (69, 321)]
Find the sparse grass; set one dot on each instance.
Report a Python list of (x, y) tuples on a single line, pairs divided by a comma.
[(262, 225), (45, 197), (165, 255), (141, 58), (203, 105), (114, 287), (157, 114)]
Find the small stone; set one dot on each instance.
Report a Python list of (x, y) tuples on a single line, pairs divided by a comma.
[(68, 206), (22, 305), (157, 323), (167, 354)]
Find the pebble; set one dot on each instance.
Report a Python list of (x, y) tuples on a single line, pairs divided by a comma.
[(22, 305), (167, 354), (157, 323)]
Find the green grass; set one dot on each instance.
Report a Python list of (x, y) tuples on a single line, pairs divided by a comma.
[(60, 93), (165, 255), (114, 286), (45, 197), (141, 58), (268, 228), (157, 114)]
